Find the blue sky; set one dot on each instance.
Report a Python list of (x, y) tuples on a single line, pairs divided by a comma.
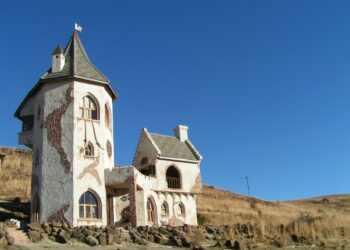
[(263, 85)]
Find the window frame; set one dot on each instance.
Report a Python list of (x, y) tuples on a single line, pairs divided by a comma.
[(87, 112), (90, 206)]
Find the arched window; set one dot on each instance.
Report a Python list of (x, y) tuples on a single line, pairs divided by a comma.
[(173, 178), (181, 209), (126, 215), (88, 206), (107, 115), (89, 149), (144, 161), (165, 208), (150, 211), (88, 108)]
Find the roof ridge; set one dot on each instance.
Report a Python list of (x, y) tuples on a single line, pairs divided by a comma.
[(193, 149), (151, 133), (152, 141)]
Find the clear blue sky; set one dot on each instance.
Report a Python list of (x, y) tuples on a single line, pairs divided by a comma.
[(263, 85)]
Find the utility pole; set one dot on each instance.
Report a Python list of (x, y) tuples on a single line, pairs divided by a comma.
[(248, 185)]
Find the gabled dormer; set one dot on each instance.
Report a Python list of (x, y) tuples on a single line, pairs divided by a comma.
[(58, 59)]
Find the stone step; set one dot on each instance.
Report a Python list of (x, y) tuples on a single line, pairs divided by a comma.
[(19, 236)]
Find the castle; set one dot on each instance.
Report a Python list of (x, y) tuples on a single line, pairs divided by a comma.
[(67, 121)]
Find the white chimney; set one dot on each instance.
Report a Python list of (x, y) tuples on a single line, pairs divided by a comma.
[(58, 59), (181, 132)]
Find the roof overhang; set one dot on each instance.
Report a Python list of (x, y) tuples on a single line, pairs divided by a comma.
[(41, 82), (177, 159)]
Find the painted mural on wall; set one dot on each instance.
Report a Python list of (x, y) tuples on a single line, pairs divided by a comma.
[(54, 130), (91, 169)]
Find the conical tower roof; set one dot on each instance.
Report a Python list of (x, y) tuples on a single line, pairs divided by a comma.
[(77, 66), (77, 63)]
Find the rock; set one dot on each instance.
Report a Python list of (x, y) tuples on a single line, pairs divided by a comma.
[(55, 229), (186, 241), (233, 244), (150, 238), (56, 224), (47, 228), (109, 238), (10, 240), (35, 227), (162, 240), (102, 239), (91, 240), (3, 241), (117, 241), (178, 242), (210, 229), (34, 236), (63, 236), (208, 236), (52, 238), (110, 230), (125, 236)]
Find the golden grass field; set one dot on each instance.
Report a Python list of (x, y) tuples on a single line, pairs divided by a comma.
[(322, 220)]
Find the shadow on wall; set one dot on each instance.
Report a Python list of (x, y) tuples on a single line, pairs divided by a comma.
[(14, 209)]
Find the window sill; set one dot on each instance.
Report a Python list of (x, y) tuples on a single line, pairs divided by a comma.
[(89, 120), (89, 157), (89, 220)]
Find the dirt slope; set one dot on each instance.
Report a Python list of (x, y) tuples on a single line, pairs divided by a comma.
[(321, 219)]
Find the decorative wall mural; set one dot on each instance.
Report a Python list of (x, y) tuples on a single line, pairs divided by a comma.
[(109, 148), (54, 130), (59, 215), (91, 169), (197, 187)]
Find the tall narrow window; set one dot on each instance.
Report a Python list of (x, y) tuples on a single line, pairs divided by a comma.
[(181, 209), (88, 108), (88, 207), (89, 149), (165, 208), (107, 116), (150, 211), (173, 178)]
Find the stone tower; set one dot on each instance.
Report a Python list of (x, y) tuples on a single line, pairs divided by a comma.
[(67, 122)]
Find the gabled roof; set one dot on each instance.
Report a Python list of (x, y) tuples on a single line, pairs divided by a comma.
[(77, 65), (171, 147)]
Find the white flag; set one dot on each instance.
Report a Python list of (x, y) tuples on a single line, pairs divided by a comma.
[(78, 27)]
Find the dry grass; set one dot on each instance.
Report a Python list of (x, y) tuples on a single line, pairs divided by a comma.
[(322, 219), (15, 173)]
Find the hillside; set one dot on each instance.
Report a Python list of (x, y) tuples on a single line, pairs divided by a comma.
[(322, 220), (15, 173)]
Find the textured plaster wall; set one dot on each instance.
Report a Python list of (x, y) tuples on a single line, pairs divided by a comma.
[(144, 149), (89, 172), (56, 185)]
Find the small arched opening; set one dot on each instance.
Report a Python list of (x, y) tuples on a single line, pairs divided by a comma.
[(173, 178)]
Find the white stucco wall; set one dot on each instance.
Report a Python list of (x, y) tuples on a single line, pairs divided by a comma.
[(98, 134)]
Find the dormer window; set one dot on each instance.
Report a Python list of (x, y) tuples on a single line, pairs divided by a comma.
[(27, 123), (88, 108)]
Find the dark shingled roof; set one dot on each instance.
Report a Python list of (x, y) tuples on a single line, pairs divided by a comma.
[(172, 147), (77, 65)]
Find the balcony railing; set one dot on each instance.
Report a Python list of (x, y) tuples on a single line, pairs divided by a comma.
[(173, 182)]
